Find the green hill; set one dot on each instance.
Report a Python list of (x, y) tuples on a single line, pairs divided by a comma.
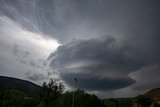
[(7, 83)]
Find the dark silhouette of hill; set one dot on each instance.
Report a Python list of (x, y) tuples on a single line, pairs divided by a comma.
[(154, 94), (7, 83)]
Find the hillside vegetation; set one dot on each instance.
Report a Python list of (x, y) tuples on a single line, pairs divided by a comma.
[(154, 94), (20, 93), (7, 83)]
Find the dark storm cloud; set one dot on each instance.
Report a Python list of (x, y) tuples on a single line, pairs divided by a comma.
[(134, 45), (68, 19), (40, 16), (102, 60), (99, 50), (88, 82)]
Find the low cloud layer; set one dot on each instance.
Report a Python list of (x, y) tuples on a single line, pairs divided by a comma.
[(99, 63), (103, 63), (146, 77)]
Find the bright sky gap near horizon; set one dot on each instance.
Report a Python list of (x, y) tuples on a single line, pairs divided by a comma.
[(111, 46)]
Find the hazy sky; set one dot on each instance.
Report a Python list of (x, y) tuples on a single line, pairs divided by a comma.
[(112, 47)]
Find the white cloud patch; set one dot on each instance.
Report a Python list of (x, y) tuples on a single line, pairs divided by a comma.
[(22, 50)]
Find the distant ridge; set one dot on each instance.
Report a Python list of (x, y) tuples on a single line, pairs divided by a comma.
[(7, 83), (154, 94)]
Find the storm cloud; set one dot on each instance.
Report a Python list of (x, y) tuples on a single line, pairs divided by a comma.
[(98, 61), (121, 62), (68, 19)]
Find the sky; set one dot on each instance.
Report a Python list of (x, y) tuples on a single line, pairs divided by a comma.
[(110, 46)]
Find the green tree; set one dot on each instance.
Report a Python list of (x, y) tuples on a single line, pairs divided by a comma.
[(29, 102), (111, 102), (12, 98), (81, 99), (143, 101), (155, 104), (49, 93), (125, 103)]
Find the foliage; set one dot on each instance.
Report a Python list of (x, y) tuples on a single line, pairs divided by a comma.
[(111, 102), (155, 104), (15, 98), (125, 103), (11, 98), (29, 102), (154, 94), (9, 83), (49, 93), (81, 99), (143, 101)]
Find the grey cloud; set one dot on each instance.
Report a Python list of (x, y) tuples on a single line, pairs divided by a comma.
[(104, 60), (68, 19), (106, 63), (35, 76), (36, 16), (100, 60), (133, 24), (23, 56), (88, 82), (20, 54), (147, 78)]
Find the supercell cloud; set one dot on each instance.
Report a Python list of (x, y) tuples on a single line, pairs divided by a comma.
[(126, 60), (99, 63)]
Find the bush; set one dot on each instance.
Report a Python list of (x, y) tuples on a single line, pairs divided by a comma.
[(111, 102), (143, 101), (12, 98), (81, 99)]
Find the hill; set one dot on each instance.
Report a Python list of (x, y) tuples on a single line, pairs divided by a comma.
[(7, 83), (154, 94)]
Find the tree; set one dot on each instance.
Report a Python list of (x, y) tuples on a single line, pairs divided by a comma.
[(81, 99), (111, 102), (125, 103), (49, 93), (29, 102), (143, 101), (12, 98), (155, 104)]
